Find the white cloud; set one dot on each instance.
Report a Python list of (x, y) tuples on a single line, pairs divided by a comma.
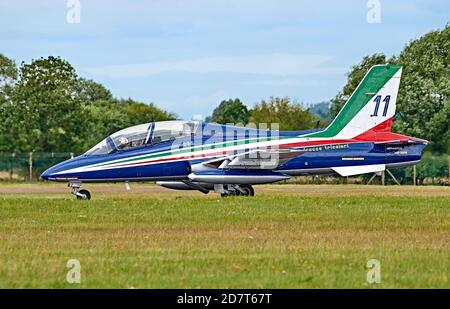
[(288, 81), (272, 64), (194, 106), (206, 100)]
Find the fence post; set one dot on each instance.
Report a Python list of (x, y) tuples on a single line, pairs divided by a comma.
[(382, 178), (30, 165), (11, 166)]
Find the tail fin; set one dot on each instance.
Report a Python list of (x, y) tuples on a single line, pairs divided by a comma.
[(370, 107)]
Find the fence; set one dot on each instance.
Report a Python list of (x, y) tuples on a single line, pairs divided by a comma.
[(431, 170), (28, 166)]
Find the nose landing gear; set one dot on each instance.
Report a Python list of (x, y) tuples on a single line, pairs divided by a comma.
[(80, 194)]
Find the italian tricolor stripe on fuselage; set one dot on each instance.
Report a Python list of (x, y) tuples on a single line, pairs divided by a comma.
[(205, 151)]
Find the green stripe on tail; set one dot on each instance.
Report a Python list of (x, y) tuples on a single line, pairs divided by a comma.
[(374, 80)]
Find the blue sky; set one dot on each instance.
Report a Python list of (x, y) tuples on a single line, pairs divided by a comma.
[(186, 56)]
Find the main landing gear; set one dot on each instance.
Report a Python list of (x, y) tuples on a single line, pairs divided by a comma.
[(80, 194), (239, 190)]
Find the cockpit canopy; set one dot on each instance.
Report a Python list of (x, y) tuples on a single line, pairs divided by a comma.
[(144, 134)]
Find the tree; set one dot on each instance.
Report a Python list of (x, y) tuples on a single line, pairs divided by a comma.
[(105, 118), (8, 76), (109, 116), (322, 110), (46, 107), (138, 112), (354, 77), (423, 104), (289, 115), (46, 114), (88, 91), (431, 166), (8, 71), (230, 111)]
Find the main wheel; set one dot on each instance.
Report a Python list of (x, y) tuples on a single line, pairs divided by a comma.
[(248, 190), (87, 195)]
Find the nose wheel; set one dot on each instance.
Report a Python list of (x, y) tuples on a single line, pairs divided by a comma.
[(80, 194), (83, 195)]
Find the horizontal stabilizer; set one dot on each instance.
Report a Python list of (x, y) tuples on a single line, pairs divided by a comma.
[(359, 169)]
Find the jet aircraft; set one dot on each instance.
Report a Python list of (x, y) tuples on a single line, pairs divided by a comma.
[(228, 159)]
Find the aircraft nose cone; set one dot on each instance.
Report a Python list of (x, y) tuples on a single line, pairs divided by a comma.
[(58, 170), (45, 175)]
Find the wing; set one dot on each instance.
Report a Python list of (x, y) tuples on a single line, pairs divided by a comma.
[(262, 158)]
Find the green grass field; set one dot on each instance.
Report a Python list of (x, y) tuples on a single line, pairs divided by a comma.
[(288, 236)]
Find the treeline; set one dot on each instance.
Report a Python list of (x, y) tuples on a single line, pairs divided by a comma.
[(46, 107), (288, 114)]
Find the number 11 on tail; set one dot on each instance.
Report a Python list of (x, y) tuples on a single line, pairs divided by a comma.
[(377, 101)]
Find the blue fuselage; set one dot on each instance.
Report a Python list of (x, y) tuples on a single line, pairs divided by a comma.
[(312, 160)]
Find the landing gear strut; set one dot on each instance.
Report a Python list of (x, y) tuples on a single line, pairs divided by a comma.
[(80, 194), (238, 190)]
